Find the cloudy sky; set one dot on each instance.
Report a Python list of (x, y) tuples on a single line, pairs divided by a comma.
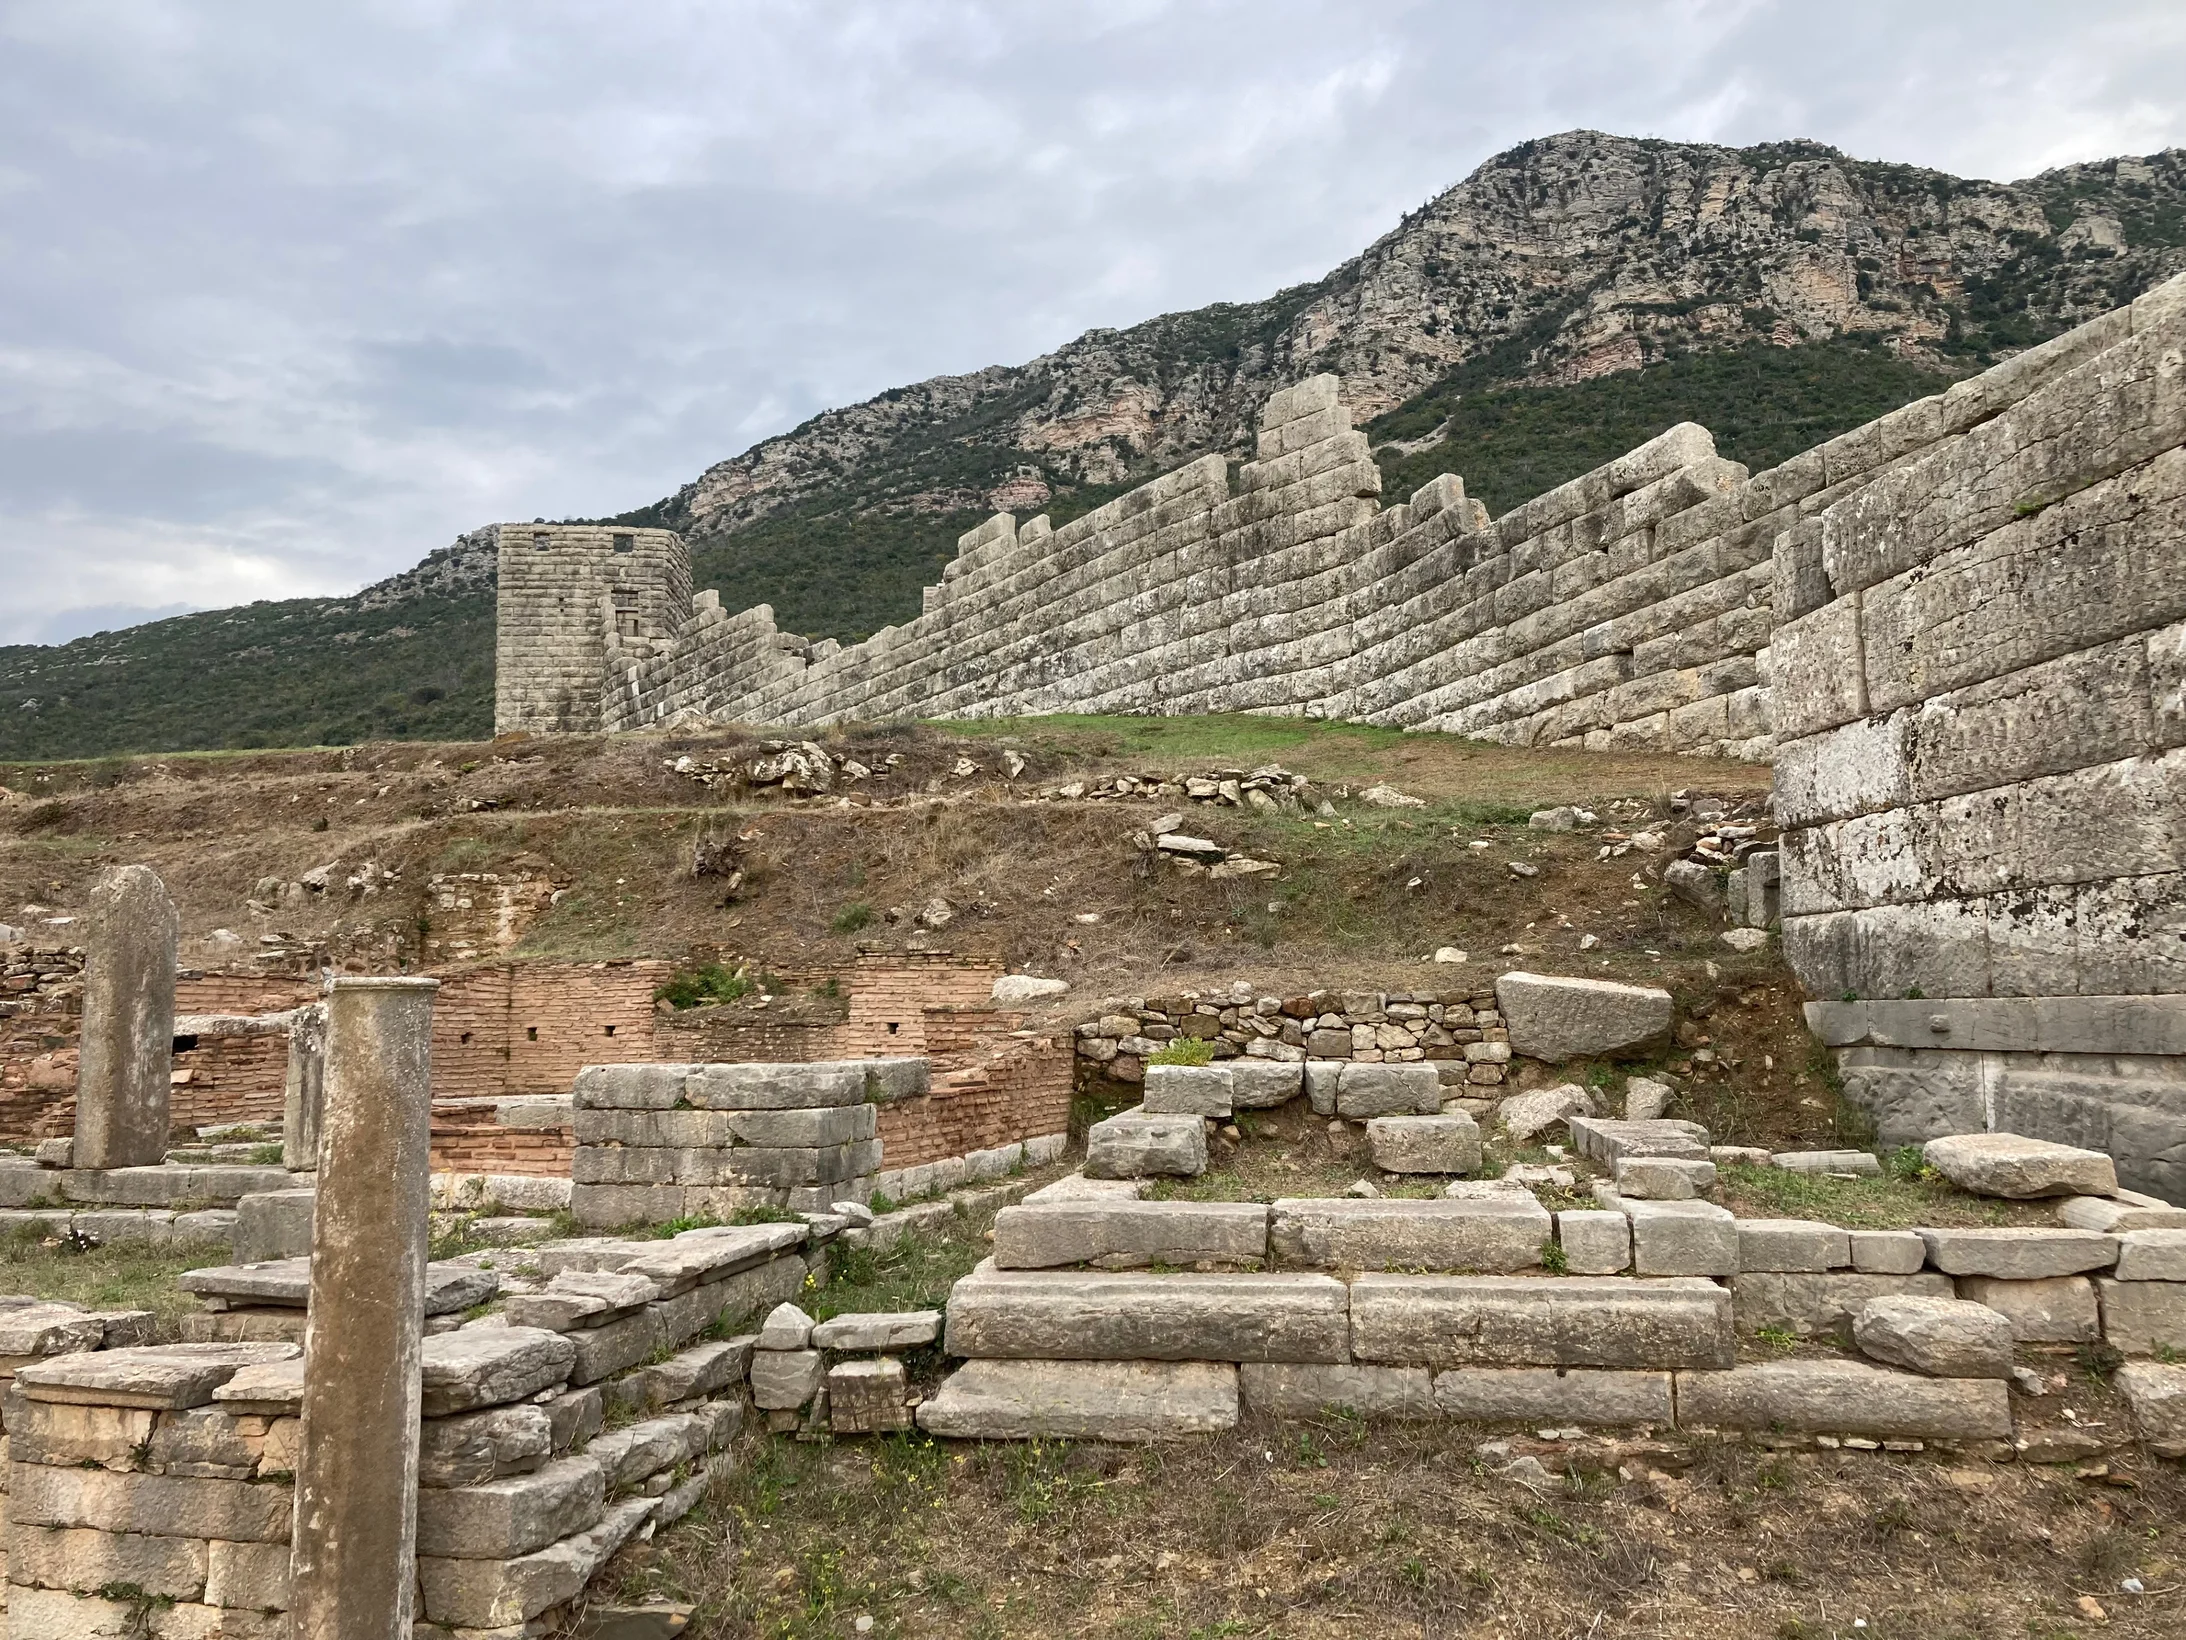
[(290, 295)]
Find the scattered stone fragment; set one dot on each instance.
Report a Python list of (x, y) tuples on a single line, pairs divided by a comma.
[(2156, 1392), (785, 1328), (1524, 1116), (1424, 1144), (1857, 1163), (1645, 1099)]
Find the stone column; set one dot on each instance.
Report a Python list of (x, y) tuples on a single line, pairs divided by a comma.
[(355, 1552), (128, 1022), (304, 1103)]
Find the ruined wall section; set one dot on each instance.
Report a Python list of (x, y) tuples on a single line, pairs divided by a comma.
[(1980, 702), (566, 593)]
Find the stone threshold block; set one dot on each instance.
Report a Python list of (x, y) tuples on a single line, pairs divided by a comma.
[(1608, 1140), (1291, 1390), (1844, 1398), (2142, 1317), (1548, 1321), (1547, 1395), (1819, 1304), (2028, 1254), (1491, 1234), (493, 1593), (1135, 1145), (1071, 1315), (1125, 1401), (1122, 1234)]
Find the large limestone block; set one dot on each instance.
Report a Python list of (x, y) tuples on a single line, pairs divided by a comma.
[(273, 1224), (629, 1087), (2152, 1255), (1545, 1395), (1792, 1245), (168, 1568), (2054, 1310), (1887, 1252), (1819, 1305), (2157, 1394), (1121, 1234), (2142, 1317), (1941, 1337), (1070, 1315), (1596, 1242), (508, 1593), (177, 1506), (491, 1366), (1494, 1234), (776, 1086), (1844, 1398), (1555, 1017), (162, 1376), (2008, 1164), (1082, 1400), (2019, 1254), (1424, 1144), (1291, 1390), (1682, 1238), (1608, 1141), (1134, 1145), (1366, 1090), (1187, 1090), (514, 1515), (1264, 1084), (1550, 1321), (698, 1256), (473, 1448), (55, 1432)]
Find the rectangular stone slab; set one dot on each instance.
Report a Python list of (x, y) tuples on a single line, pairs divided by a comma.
[(502, 1519), (1493, 1234), (2141, 1317), (1567, 1321), (1792, 1244), (2054, 1310), (1291, 1390), (1082, 1400), (1844, 1398), (1117, 1234), (2019, 1254), (1819, 1304), (1072, 1315), (1544, 1395), (449, 1287), (507, 1593), (491, 1366), (878, 1330), (164, 1376)]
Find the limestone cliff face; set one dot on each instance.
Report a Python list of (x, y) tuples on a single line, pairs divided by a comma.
[(1561, 259)]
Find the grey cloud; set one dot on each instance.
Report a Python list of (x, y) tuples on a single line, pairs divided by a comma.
[(291, 295)]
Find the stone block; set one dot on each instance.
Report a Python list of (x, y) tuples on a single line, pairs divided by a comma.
[(786, 1327), (1121, 1234), (1076, 1187), (782, 1380), (2019, 1254), (1187, 1090), (868, 1397), (1323, 1075), (1682, 1239), (2010, 1165), (491, 1366), (1887, 1252), (246, 1578), (1287, 1390), (1265, 1084), (1551, 1321), (1798, 1245), (1556, 1017), (2053, 1310), (628, 1087), (1819, 1306), (1823, 1397), (158, 1376), (1061, 1315), (1941, 1337), (709, 1255), (169, 1505), (516, 1515), (1596, 1242), (2141, 1317), (1493, 1233), (473, 1448), (2152, 1255), (1128, 1401), (878, 1330), (776, 1086), (1855, 1163), (2157, 1394), (2126, 1212), (1133, 1145), (485, 1594), (575, 1299), (1365, 1090), (170, 1568), (64, 1435), (1523, 1116), (1663, 1178), (1546, 1395), (273, 1224), (1424, 1144), (628, 1455), (1607, 1141)]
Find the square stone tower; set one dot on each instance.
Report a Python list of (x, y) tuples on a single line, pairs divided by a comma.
[(563, 589)]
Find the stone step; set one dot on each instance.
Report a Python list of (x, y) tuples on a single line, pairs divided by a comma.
[(1083, 1400), (1548, 1321), (1843, 1398), (449, 1287), (1121, 1234), (1494, 1233), (1606, 1140), (1073, 1315)]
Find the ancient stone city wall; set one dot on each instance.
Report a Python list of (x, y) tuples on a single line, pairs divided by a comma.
[(1980, 703)]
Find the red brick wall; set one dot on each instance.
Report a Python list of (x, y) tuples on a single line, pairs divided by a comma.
[(467, 1139), (1021, 1092), (41, 1009), (519, 1029)]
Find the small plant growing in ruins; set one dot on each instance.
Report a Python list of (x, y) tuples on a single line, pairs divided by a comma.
[(852, 917), (881, 1202), (1185, 1050), (1553, 1259), (698, 987), (1778, 1338)]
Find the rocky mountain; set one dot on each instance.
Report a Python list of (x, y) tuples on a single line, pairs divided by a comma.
[(1569, 299)]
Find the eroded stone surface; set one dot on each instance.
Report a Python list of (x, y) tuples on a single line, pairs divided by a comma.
[(1119, 1234), (1554, 1016), (1082, 1400), (1496, 1232), (1843, 1398), (1942, 1337), (1060, 1315), (1571, 1321), (2011, 1165)]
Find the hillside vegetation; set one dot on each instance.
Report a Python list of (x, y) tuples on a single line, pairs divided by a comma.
[(1569, 299)]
